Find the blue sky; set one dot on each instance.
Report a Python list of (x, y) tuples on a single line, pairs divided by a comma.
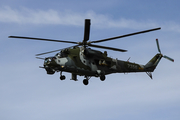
[(27, 92)]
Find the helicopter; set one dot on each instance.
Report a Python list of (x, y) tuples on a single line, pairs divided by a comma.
[(81, 60)]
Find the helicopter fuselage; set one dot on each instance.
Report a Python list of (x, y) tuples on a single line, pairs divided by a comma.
[(88, 62)]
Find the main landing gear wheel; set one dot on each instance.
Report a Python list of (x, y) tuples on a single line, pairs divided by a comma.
[(102, 77), (62, 77), (85, 82)]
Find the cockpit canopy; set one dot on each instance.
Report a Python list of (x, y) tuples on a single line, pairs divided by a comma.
[(63, 53)]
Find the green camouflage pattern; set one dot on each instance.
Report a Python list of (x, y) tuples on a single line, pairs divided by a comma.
[(92, 63)]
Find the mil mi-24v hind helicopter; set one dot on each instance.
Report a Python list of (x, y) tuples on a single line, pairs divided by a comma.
[(84, 61)]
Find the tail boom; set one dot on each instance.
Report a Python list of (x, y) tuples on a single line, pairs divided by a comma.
[(125, 66)]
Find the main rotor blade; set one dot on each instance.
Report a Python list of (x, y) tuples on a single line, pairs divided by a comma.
[(43, 39), (168, 58), (87, 30), (54, 51), (40, 58), (104, 47), (48, 52), (145, 31), (157, 42)]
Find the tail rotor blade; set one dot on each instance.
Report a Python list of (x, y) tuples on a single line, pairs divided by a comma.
[(158, 45), (168, 58)]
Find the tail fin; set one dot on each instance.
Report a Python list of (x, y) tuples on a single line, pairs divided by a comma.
[(151, 65)]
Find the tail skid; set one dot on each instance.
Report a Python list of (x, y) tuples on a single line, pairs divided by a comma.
[(149, 74)]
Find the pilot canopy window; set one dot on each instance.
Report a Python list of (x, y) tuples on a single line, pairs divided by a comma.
[(61, 54)]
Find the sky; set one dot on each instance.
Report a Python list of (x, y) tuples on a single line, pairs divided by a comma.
[(27, 92)]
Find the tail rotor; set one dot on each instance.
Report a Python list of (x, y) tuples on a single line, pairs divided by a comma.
[(157, 42), (168, 58)]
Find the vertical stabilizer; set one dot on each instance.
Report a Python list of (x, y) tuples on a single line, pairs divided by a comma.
[(151, 65)]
